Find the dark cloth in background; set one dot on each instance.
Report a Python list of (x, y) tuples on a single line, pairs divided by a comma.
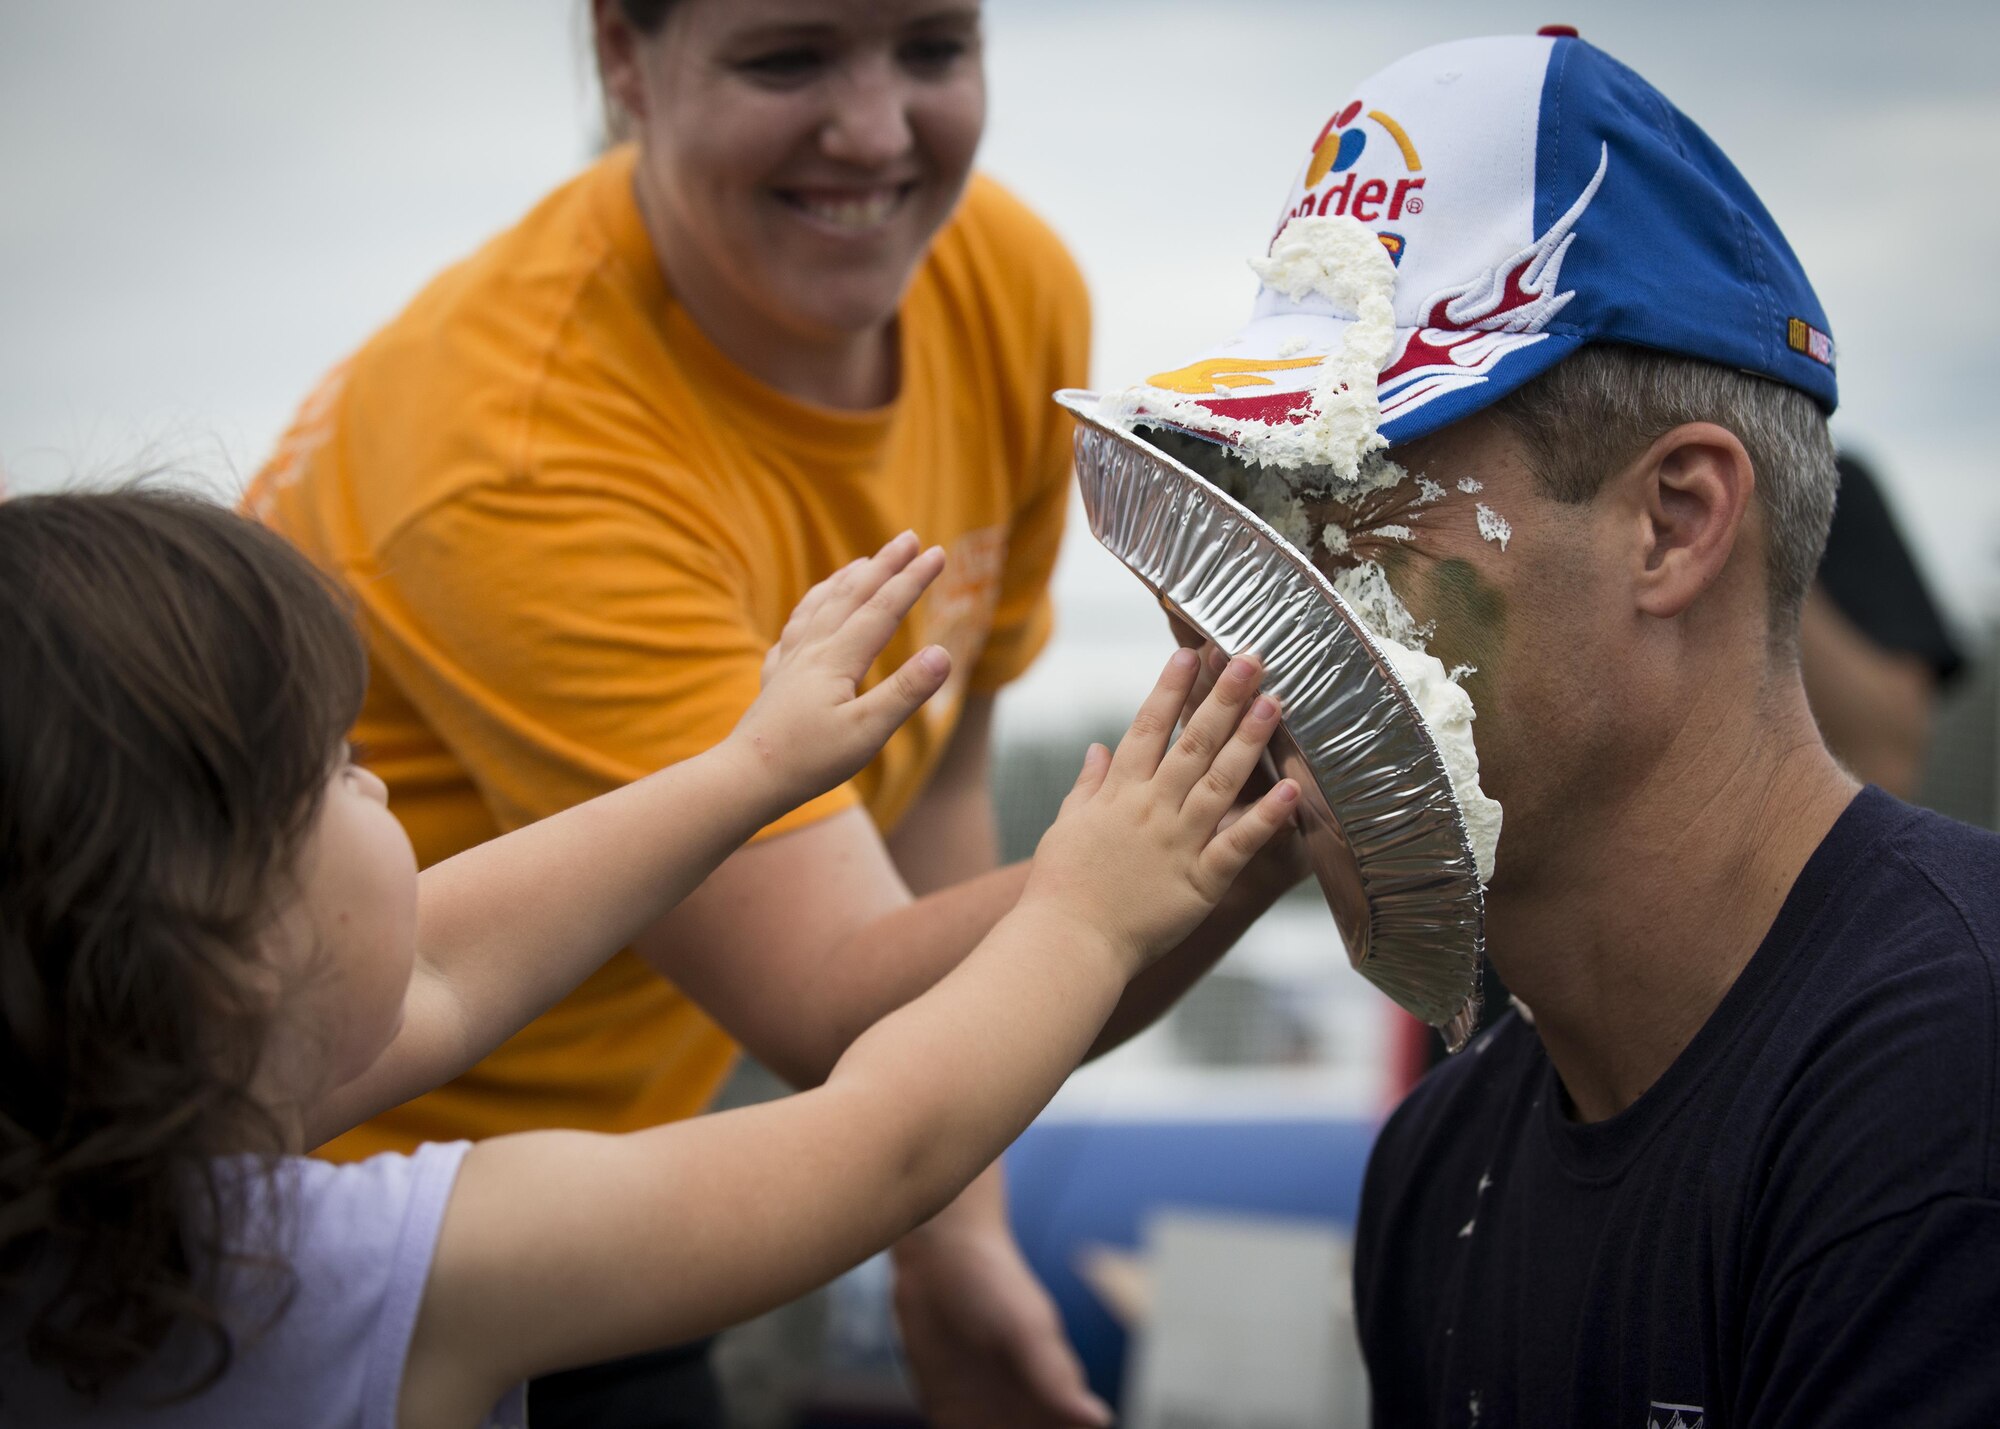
[(1870, 575), (662, 1389)]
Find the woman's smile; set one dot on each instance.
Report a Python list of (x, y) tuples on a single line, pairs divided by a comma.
[(847, 212)]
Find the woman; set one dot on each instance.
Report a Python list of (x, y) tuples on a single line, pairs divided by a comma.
[(577, 484)]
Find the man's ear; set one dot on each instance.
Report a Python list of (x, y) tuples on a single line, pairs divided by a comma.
[(617, 46), (1692, 488)]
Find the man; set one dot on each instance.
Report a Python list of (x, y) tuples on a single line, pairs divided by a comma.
[(1875, 650), (1876, 655), (1740, 1167)]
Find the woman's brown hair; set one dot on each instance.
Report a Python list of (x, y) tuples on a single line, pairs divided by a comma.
[(646, 17), (174, 683)]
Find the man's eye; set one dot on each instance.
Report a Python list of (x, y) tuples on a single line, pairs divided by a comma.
[(783, 66)]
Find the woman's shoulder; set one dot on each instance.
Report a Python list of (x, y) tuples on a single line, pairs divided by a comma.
[(561, 303), (500, 309)]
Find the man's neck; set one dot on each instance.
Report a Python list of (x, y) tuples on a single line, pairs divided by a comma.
[(1659, 898)]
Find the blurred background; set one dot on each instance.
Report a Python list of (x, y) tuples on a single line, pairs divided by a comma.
[(206, 204)]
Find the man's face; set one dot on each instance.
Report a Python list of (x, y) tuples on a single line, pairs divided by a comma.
[(1540, 622)]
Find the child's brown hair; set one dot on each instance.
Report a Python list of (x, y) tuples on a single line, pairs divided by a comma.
[(175, 682)]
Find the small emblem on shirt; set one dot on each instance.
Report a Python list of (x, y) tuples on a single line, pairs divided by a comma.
[(1676, 1416), (311, 430)]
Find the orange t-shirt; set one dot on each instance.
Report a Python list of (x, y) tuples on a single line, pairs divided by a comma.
[(572, 528)]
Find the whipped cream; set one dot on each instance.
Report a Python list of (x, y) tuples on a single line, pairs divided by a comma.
[(1446, 709), (1337, 451), (1339, 259), (1342, 262), (1366, 590), (1274, 499), (1448, 714)]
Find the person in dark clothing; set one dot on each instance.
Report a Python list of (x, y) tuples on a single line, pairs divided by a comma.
[(1875, 650), (1796, 1222), (1735, 1159)]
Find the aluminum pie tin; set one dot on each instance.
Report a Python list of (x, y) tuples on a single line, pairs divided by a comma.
[(1383, 832)]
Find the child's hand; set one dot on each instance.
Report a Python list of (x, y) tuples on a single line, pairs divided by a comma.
[(1136, 852), (810, 728)]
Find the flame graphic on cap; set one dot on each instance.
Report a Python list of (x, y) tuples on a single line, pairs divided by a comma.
[(1468, 329), (1520, 294), (1199, 379)]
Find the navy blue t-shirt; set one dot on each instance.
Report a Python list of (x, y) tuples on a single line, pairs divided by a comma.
[(1797, 1225)]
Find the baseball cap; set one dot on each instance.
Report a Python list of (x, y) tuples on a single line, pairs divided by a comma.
[(1534, 195)]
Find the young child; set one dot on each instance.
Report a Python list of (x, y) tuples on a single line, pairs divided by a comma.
[(216, 952)]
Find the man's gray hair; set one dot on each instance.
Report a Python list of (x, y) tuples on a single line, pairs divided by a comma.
[(1598, 409)]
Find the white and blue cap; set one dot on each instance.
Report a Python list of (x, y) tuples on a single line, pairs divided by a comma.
[(1535, 196)]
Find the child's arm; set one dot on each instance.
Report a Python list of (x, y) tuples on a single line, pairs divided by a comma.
[(509, 927), (563, 1248)]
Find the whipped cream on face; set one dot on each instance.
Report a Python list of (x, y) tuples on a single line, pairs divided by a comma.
[(1448, 714), (1442, 702), (1277, 502), (1493, 526), (1366, 590)]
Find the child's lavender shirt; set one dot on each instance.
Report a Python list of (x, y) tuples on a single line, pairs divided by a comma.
[(359, 1240)]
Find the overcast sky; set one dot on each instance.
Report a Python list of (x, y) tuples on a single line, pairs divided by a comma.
[(203, 204)]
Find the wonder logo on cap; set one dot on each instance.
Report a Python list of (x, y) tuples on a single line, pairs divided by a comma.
[(1340, 144), (1535, 195)]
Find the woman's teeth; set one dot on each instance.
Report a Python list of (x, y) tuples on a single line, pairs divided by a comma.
[(854, 211)]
